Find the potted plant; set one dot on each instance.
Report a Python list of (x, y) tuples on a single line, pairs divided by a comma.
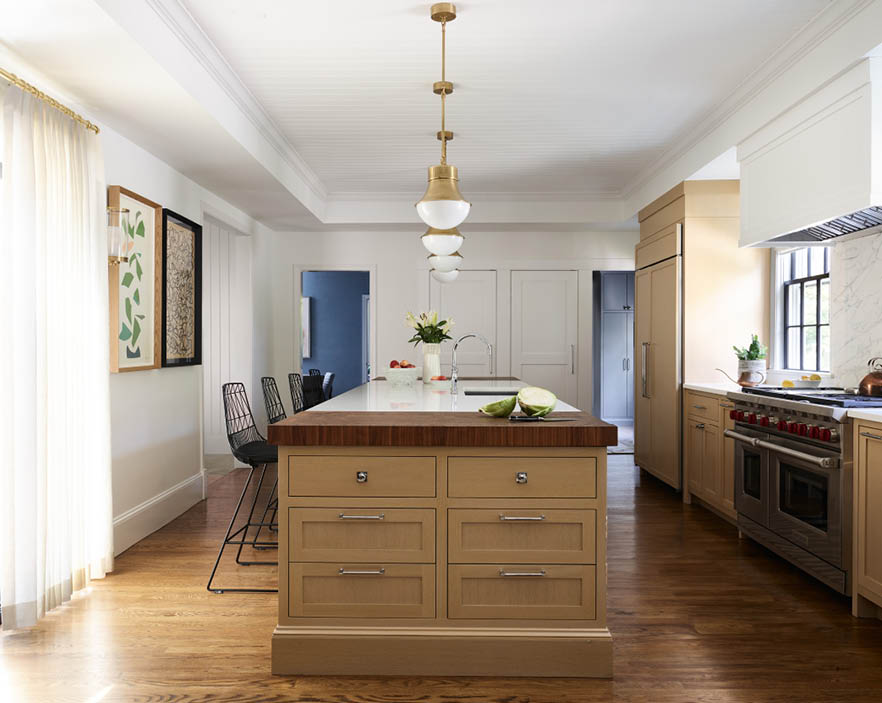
[(751, 363), (431, 331)]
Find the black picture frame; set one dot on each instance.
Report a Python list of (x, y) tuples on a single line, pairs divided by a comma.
[(196, 229)]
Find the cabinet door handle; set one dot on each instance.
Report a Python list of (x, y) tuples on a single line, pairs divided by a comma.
[(870, 435), (521, 518), (572, 358), (361, 476), (699, 426), (379, 516), (503, 572), (643, 351), (700, 407), (361, 572), (727, 406), (521, 477), (626, 307)]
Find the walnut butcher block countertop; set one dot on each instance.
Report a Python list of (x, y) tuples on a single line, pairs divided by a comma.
[(438, 429)]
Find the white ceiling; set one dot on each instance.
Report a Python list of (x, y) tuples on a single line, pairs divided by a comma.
[(559, 97), (312, 114)]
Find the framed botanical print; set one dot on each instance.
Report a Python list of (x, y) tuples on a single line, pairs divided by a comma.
[(181, 290), (136, 284)]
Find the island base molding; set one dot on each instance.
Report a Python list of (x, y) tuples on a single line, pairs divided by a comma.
[(428, 651)]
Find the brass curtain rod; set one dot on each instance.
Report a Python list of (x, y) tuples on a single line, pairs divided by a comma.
[(24, 85)]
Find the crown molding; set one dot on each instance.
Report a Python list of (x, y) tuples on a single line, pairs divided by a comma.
[(819, 29)]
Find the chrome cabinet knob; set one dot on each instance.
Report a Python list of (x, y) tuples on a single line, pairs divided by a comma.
[(521, 477), (361, 476)]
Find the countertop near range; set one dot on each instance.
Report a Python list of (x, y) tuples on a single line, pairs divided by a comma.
[(712, 388), (871, 414)]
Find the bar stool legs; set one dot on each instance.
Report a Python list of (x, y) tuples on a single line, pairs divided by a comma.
[(230, 538)]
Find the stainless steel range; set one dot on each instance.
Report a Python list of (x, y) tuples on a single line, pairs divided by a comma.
[(793, 475)]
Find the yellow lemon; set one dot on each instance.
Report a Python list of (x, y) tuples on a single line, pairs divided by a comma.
[(787, 384), (815, 377)]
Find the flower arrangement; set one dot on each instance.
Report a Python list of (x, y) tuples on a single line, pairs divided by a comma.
[(427, 328)]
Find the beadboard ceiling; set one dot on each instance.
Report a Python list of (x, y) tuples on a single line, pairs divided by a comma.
[(570, 96), (311, 115)]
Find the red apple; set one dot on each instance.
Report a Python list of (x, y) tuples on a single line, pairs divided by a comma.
[(393, 364)]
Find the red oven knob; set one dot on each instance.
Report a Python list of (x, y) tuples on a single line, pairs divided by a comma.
[(764, 421), (814, 432), (752, 418), (733, 414), (802, 429), (739, 415), (792, 427), (782, 425), (825, 435)]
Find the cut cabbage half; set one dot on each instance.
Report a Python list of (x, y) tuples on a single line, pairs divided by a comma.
[(499, 408), (536, 402)]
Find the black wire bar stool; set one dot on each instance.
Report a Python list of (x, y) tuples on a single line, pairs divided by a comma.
[(249, 447), (295, 383), (275, 411)]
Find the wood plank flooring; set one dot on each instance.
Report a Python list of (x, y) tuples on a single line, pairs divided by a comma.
[(697, 616)]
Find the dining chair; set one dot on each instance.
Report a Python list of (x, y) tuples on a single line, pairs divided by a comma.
[(295, 383), (328, 385), (313, 393)]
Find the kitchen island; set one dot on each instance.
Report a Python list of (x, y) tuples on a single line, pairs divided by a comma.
[(418, 537)]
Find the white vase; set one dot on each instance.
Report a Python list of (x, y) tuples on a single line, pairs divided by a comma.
[(431, 361)]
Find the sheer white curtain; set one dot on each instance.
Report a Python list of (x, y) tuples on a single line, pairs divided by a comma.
[(55, 500)]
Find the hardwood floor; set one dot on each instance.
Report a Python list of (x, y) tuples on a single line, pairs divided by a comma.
[(697, 615)]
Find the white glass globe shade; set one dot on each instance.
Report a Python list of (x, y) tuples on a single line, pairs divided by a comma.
[(444, 264), (443, 214), (445, 276), (442, 244)]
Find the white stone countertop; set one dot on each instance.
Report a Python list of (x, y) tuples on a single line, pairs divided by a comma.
[(872, 414), (383, 396), (712, 388)]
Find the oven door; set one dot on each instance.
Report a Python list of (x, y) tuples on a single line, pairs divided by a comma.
[(751, 475), (806, 504)]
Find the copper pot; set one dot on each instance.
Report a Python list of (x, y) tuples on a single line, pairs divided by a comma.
[(871, 384)]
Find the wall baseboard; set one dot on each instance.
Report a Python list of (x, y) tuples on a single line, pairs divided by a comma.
[(144, 519)]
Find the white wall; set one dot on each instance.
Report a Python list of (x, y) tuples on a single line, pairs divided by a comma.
[(402, 282), (157, 415), (855, 305)]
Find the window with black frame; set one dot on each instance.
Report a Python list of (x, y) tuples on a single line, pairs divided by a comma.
[(805, 277)]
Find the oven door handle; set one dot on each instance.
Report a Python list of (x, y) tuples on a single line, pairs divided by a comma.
[(752, 441), (825, 462)]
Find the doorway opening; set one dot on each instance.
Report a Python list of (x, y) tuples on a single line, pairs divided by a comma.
[(335, 326), (613, 352)]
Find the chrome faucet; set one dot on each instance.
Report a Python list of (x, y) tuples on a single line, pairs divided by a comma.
[(454, 371)]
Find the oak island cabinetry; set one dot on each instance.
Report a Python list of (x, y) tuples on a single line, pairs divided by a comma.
[(441, 543), (867, 580)]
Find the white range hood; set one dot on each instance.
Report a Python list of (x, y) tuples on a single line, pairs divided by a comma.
[(814, 174)]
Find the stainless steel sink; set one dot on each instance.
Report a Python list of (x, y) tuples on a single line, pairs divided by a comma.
[(490, 391)]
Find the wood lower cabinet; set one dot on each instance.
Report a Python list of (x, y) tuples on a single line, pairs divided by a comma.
[(867, 580), (708, 457), (452, 562)]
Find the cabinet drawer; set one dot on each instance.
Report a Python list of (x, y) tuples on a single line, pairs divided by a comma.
[(358, 534), (522, 477), (702, 406), (367, 476), (502, 535), (357, 590), (522, 592)]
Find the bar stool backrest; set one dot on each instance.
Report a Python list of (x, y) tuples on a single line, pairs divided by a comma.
[(312, 391), (315, 372), (328, 385), (241, 429), (295, 381), (275, 410)]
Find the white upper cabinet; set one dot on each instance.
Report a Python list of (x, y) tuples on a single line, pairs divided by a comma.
[(819, 160)]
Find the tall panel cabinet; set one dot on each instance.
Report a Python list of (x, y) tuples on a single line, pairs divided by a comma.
[(696, 295)]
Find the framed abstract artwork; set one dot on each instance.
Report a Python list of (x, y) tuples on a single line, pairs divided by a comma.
[(136, 285), (305, 337), (181, 290)]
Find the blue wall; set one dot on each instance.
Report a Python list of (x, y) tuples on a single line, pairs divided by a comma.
[(335, 312)]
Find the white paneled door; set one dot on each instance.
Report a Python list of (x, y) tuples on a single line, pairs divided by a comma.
[(471, 302), (226, 326), (544, 331)]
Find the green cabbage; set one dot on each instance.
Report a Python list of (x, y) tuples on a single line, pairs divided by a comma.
[(499, 408), (536, 401)]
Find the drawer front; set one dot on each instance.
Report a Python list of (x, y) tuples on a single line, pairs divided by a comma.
[(368, 476), (494, 536), (702, 406), (358, 590), (361, 534), (522, 592), (522, 477)]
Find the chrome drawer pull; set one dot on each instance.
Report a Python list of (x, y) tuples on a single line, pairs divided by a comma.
[(521, 477), (871, 435), (358, 572), (503, 572), (361, 476), (699, 426), (344, 516), (725, 405), (700, 407), (520, 518)]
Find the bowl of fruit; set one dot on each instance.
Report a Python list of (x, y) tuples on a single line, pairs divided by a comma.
[(402, 373), (812, 381)]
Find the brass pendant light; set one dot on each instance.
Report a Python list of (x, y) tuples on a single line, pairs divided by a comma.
[(442, 207)]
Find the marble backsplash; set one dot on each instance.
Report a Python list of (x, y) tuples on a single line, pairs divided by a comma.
[(855, 307)]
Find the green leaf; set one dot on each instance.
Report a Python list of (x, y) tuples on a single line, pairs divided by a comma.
[(129, 309), (130, 230), (125, 332), (140, 317), (138, 269), (137, 328), (140, 231), (127, 279), (136, 296)]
